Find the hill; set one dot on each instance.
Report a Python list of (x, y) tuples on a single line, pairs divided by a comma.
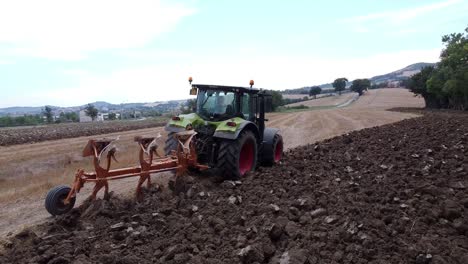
[(401, 74), (394, 76), (100, 105)]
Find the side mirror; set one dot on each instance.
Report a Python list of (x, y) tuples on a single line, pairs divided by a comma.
[(193, 91)]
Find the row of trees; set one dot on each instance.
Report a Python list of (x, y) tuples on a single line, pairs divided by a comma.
[(358, 85), (26, 120), (446, 85)]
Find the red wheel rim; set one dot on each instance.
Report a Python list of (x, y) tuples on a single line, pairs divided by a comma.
[(246, 158), (278, 151)]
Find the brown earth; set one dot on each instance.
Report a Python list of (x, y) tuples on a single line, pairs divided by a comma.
[(390, 194), (31, 134), (28, 171)]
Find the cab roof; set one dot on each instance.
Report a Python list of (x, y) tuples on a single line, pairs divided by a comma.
[(226, 88)]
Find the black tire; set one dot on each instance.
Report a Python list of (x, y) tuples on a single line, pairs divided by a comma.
[(273, 153), (54, 200), (230, 158), (171, 143)]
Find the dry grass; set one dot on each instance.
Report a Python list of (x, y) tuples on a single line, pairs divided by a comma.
[(388, 98), (28, 170)]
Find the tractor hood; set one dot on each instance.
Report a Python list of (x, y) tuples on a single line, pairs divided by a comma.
[(185, 121)]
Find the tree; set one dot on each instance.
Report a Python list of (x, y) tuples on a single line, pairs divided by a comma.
[(405, 83), (360, 85), (314, 91), (340, 84), (445, 86), (449, 80), (47, 112), (418, 85), (276, 99), (91, 111), (72, 116), (189, 106), (112, 116)]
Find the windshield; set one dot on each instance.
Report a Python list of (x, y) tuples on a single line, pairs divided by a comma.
[(216, 105)]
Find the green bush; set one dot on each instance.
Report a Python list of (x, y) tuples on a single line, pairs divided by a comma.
[(446, 85)]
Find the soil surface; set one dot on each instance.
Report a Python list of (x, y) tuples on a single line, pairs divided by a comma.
[(44, 165), (390, 194), (31, 134)]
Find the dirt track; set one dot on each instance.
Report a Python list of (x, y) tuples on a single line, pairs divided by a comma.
[(28, 171), (326, 101), (390, 194)]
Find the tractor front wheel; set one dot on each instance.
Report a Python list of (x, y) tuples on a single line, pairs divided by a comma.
[(237, 157), (171, 143)]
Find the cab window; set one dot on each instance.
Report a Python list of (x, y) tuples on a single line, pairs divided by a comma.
[(246, 106)]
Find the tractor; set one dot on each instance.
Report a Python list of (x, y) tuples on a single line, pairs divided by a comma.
[(230, 124), (226, 133)]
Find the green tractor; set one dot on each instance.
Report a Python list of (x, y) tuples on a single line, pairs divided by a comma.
[(230, 124)]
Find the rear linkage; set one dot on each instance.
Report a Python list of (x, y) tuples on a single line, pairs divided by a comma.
[(61, 199)]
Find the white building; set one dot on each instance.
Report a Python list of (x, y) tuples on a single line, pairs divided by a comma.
[(86, 118)]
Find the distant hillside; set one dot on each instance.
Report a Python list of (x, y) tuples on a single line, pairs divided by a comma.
[(398, 75), (100, 105), (20, 109), (401, 74)]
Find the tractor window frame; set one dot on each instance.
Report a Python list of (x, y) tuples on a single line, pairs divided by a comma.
[(209, 109), (246, 100)]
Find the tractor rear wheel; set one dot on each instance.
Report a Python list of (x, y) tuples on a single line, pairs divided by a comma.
[(171, 143), (54, 200), (237, 157), (275, 151)]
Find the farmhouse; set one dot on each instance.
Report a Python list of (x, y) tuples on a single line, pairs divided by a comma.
[(86, 118)]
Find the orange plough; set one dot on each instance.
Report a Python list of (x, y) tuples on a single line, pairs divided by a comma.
[(61, 199)]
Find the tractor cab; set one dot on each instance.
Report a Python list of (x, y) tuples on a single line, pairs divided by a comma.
[(229, 122), (219, 103)]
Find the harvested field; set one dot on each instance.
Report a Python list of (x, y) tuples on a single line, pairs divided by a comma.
[(388, 98), (295, 96), (389, 194), (31, 134), (299, 128), (326, 101)]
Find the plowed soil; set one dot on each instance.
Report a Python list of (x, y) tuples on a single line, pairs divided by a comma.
[(390, 194)]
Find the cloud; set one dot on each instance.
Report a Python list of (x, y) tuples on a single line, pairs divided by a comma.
[(71, 30), (397, 19), (403, 15), (166, 82)]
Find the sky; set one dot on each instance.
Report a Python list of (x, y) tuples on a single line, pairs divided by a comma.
[(68, 53)]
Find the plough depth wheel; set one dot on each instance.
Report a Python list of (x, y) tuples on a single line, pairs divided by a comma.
[(54, 202)]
